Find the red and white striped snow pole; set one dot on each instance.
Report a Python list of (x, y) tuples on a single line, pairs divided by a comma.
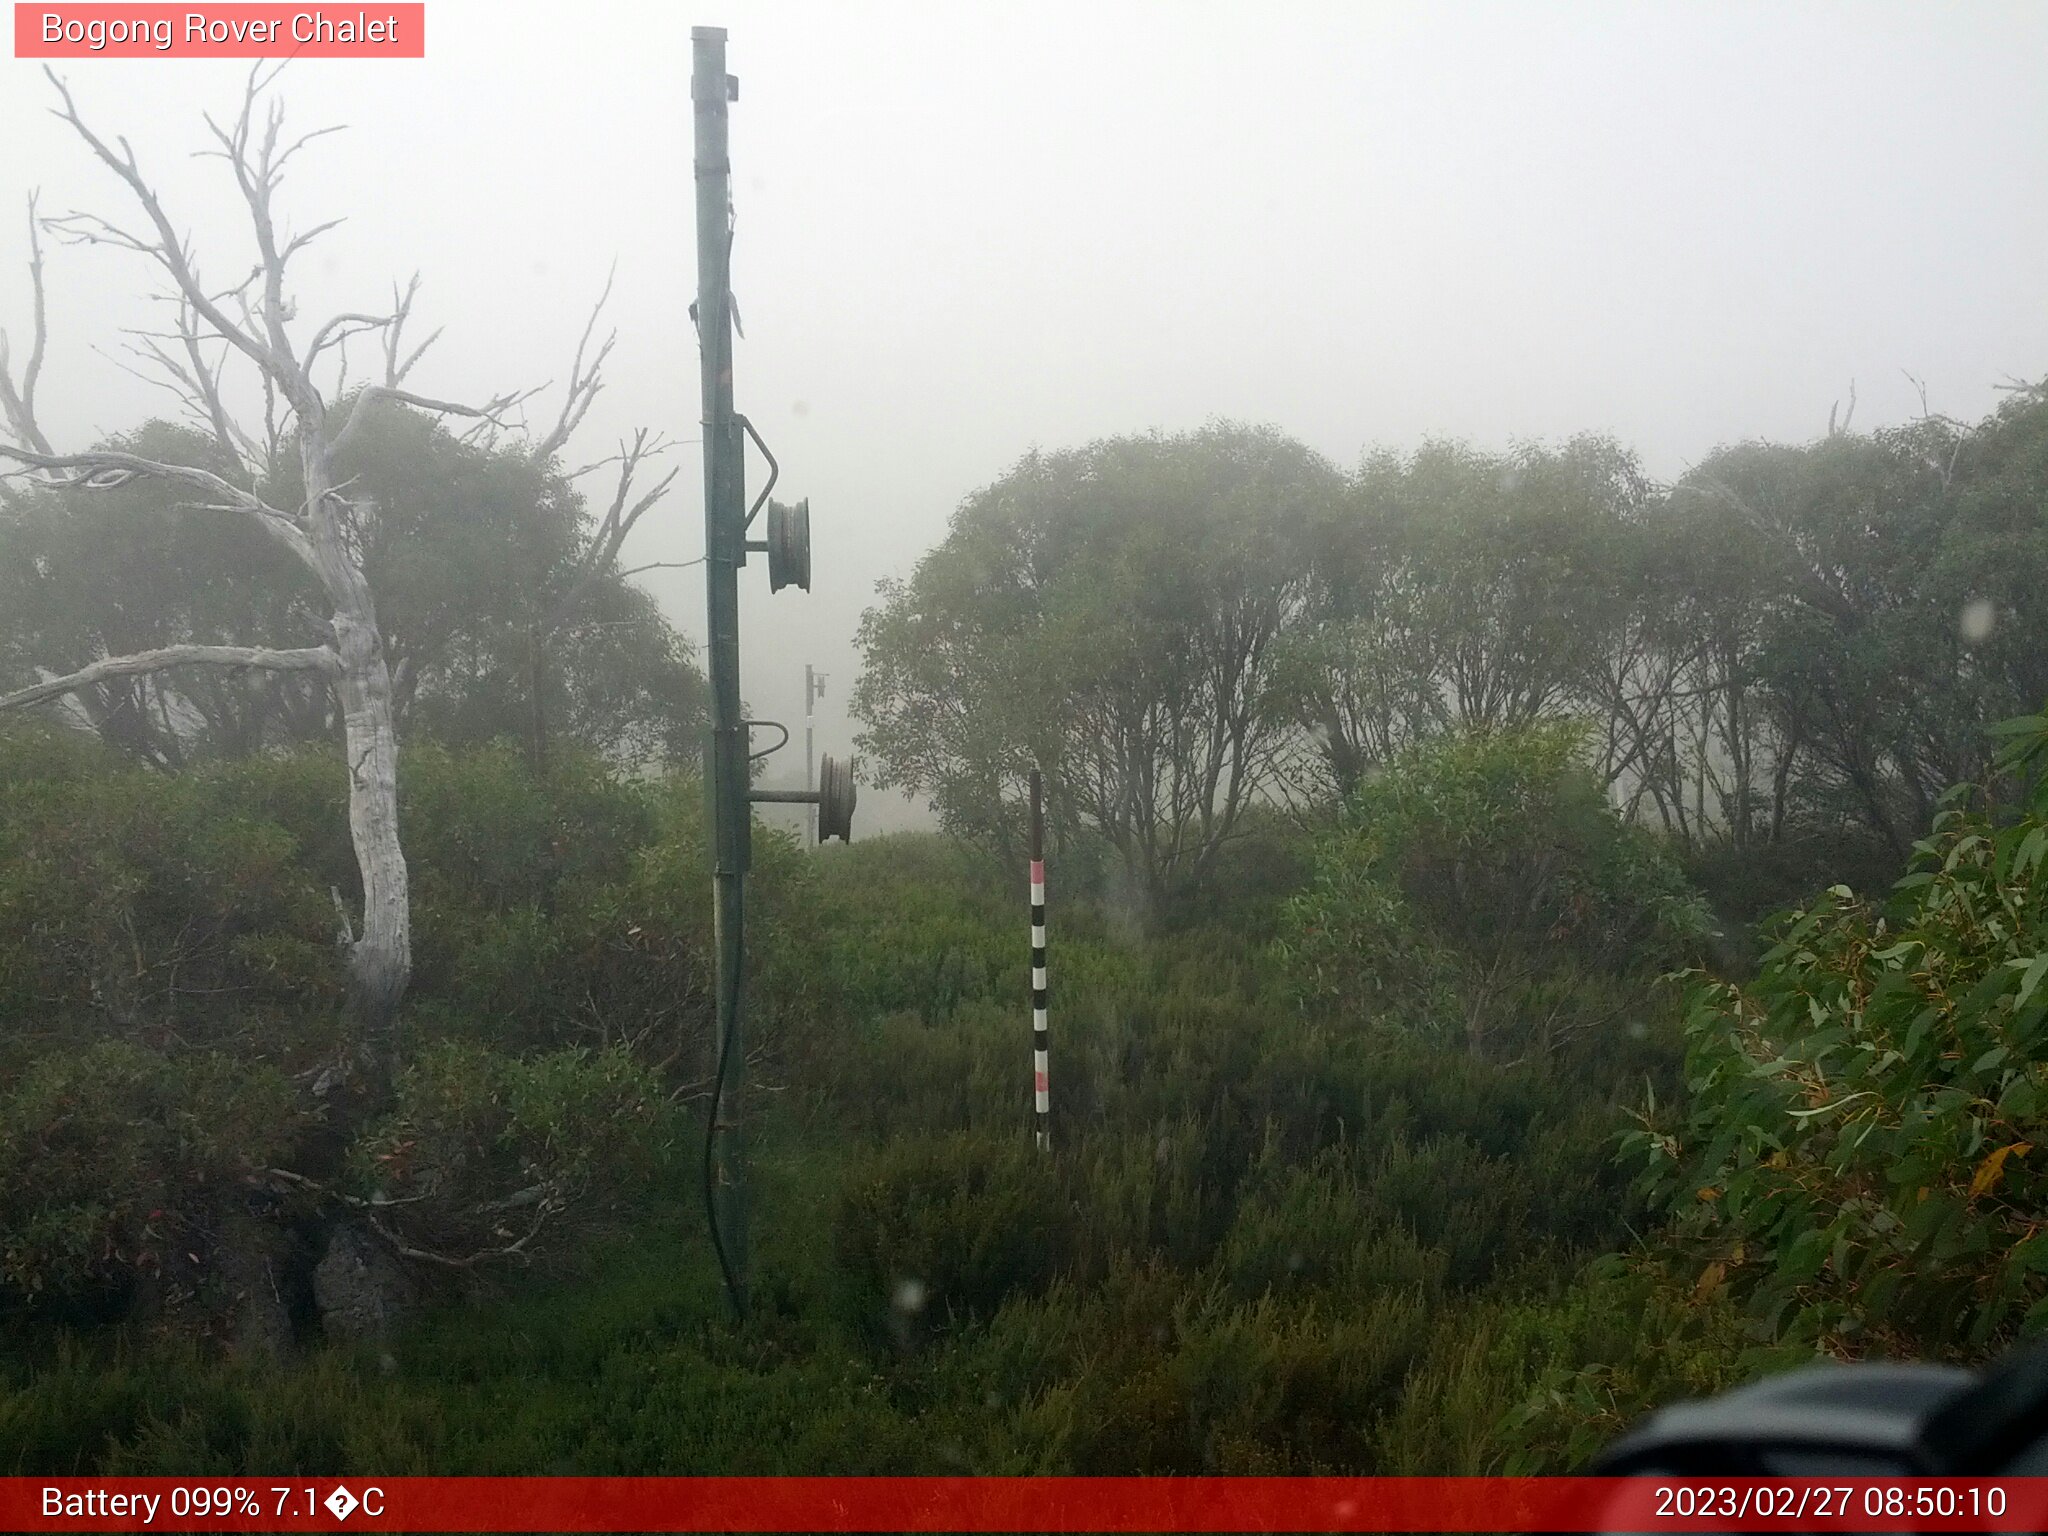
[(1040, 1040)]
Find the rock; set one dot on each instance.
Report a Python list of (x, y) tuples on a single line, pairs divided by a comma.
[(360, 1286)]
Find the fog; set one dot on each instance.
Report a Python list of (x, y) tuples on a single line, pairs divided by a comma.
[(963, 231)]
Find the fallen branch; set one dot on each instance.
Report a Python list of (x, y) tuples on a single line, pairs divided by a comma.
[(513, 1250)]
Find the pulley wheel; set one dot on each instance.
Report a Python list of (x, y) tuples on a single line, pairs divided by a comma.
[(789, 545), (835, 800)]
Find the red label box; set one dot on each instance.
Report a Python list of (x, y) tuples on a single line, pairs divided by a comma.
[(102, 31)]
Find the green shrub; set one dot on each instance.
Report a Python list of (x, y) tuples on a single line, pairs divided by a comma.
[(1258, 1230), (152, 904), (1476, 887), (111, 1155), (1163, 1376), (483, 1152), (943, 1228), (1858, 1158), (1582, 1364), (1318, 1226)]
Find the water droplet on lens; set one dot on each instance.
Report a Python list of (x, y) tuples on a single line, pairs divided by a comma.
[(910, 1296), (1980, 617)]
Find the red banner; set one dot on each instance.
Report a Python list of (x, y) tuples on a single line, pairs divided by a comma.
[(1061, 1504), (376, 31)]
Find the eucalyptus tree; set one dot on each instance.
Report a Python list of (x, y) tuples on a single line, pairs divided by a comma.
[(1114, 614), (1881, 607), (1456, 587)]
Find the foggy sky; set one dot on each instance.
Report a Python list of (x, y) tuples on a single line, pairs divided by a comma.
[(966, 229)]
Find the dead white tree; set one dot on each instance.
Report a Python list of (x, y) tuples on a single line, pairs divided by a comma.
[(252, 322)]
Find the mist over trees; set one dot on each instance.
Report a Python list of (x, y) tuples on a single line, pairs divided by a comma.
[(1114, 615), (469, 549), (1419, 776), (1792, 645), (1415, 824), (284, 482), (248, 606)]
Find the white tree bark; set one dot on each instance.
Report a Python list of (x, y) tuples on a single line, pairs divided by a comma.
[(314, 659), (318, 532), (379, 948)]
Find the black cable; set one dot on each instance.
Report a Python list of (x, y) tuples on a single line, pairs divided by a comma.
[(729, 1029)]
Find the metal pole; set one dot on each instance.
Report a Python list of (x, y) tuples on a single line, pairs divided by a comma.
[(810, 776), (724, 552), (1041, 1041)]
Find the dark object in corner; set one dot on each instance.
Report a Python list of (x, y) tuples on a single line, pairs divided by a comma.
[(1878, 1419)]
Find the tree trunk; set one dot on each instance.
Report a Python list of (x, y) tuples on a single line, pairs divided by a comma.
[(380, 951), (380, 957), (1340, 752), (536, 671)]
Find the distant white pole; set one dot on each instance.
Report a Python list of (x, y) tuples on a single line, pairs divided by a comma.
[(814, 688), (1040, 1039)]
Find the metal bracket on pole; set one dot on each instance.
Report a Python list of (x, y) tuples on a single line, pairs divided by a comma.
[(834, 797), (774, 472)]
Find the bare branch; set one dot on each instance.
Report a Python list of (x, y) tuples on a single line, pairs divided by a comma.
[(277, 165), (398, 374), (35, 356), (168, 249), (1847, 417), (258, 182), (515, 1249), (346, 937), (273, 428), (662, 565), (314, 659), (611, 532), (625, 524), (340, 328), (491, 411), (401, 311), (660, 445), (77, 228), (20, 407), (178, 385), (395, 369), (202, 387), (328, 1191), (195, 390), (105, 470), (1919, 388), (299, 242), (584, 383)]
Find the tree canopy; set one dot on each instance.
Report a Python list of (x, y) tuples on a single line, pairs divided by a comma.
[(1791, 647), (468, 548), (1113, 615)]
